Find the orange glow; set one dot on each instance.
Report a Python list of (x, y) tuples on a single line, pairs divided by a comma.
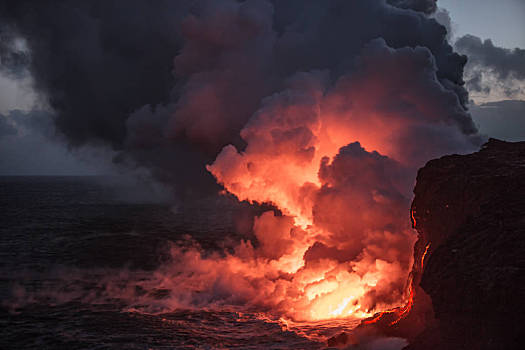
[(424, 255), (400, 312), (324, 287), (403, 312), (412, 210), (377, 317), (342, 240), (332, 161), (334, 155)]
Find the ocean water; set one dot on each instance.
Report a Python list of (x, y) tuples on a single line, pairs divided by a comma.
[(73, 251)]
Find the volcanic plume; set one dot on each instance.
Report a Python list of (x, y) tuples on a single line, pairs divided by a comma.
[(322, 109), (336, 161)]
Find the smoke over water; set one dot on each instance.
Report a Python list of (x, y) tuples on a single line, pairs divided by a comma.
[(322, 109), (338, 162)]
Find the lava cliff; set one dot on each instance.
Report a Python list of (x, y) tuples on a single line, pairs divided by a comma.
[(469, 260), (471, 209)]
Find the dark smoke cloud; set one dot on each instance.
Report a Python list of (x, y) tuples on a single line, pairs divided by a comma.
[(506, 65), (169, 83), (97, 61), (29, 146), (6, 128), (13, 56), (443, 17), (22, 123), (504, 62), (426, 6), (35, 121), (323, 109)]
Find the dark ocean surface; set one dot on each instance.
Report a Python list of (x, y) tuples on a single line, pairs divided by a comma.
[(62, 238)]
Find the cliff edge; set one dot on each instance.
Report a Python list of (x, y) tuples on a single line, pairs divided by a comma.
[(470, 211)]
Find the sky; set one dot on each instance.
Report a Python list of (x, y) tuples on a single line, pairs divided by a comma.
[(503, 21), (39, 152)]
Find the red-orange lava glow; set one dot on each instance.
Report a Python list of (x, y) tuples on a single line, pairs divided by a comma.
[(412, 211), (424, 255), (336, 167), (401, 312), (342, 246)]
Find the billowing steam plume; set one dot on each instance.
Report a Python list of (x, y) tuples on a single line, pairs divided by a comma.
[(324, 109), (338, 160)]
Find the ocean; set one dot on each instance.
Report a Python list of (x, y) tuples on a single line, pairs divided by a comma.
[(77, 256)]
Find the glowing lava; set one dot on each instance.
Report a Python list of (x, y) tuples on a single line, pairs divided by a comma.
[(423, 256), (412, 217), (400, 312)]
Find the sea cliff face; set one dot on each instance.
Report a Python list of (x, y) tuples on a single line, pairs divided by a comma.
[(470, 211), (468, 276)]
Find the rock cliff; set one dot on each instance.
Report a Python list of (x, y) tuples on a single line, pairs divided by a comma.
[(468, 275), (471, 210)]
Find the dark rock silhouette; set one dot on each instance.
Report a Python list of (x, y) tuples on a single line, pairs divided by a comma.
[(469, 286), (472, 210)]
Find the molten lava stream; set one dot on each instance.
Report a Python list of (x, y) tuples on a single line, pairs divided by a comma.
[(401, 312), (423, 256), (319, 331)]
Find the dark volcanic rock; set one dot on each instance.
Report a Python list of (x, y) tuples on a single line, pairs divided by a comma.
[(469, 260), (471, 209)]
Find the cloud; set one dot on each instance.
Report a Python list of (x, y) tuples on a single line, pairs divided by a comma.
[(6, 128), (425, 6), (168, 84), (345, 240), (321, 109), (16, 93), (492, 72), (97, 61), (29, 146), (14, 55), (442, 16)]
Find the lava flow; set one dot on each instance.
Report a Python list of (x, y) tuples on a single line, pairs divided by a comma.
[(401, 312), (423, 256)]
